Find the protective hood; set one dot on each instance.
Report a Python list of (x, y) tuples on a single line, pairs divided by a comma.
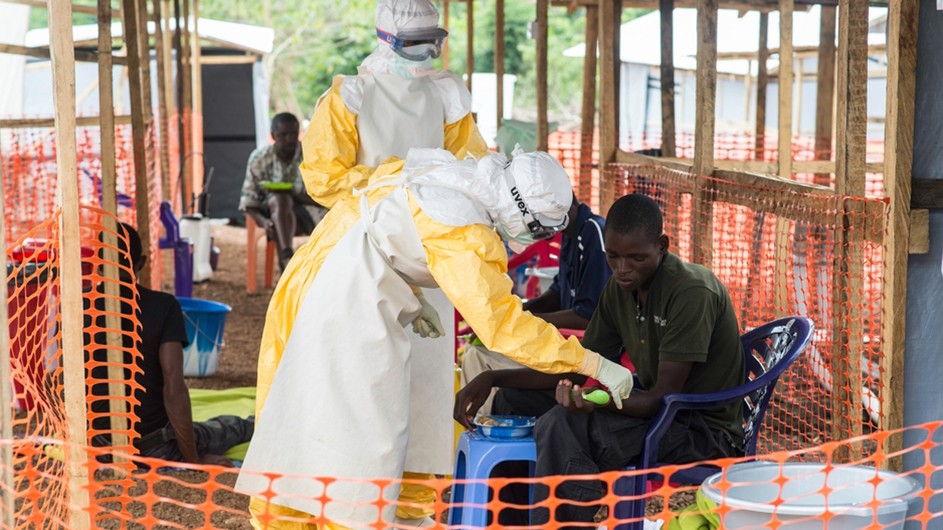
[(492, 191), (398, 21)]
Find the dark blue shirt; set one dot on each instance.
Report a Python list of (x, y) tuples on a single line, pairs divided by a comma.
[(583, 268)]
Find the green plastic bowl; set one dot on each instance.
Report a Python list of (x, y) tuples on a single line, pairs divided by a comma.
[(278, 186)]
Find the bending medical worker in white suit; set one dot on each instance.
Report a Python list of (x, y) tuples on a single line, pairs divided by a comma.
[(349, 389)]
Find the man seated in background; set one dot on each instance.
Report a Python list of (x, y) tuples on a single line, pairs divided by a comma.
[(164, 423), (677, 324), (273, 193), (570, 301)]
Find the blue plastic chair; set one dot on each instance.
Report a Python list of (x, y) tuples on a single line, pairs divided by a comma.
[(475, 459), (183, 255), (769, 351)]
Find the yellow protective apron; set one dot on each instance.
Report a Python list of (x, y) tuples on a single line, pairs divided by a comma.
[(351, 398)]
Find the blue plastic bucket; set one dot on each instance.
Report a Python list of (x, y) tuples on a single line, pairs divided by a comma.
[(205, 320)]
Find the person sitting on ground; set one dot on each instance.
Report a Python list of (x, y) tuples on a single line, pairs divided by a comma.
[(676, 322), (283, 213), (570, 301), (164, 422)]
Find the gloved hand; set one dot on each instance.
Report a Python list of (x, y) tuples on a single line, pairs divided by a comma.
[(427, 323), (615, 376)]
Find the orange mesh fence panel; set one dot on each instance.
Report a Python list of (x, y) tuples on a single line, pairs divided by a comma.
[(36, 363), (809, 488), (779, 253), (28, 166)]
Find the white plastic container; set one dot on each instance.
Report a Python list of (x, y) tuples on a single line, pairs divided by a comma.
[(758, 491), (197, 229)]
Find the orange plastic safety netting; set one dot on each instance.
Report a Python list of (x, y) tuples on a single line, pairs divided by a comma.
[(28, 166), (783, 251), (808, 488), (37, 360)]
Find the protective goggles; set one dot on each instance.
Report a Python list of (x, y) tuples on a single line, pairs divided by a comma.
[(539, 231), (415, 44)]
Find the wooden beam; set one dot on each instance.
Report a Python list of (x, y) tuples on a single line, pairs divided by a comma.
[(499, 61), (762, 82), (76, 8), (229, 59), (706, 95), (196, 79), (70, 260), (138, 124), (8, 494), (666, 9), (902, 26), (609, 70), (919, 244), (40, 123), (543, 131), (588, 111), (445, 25), (117, 385), (785, 88), (163, 118), (469, 43), (705, 119), (825, 90), (850, 156), (43, 53)]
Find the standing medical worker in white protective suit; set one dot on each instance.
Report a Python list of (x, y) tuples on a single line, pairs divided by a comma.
[(396, 101), (351, 396)]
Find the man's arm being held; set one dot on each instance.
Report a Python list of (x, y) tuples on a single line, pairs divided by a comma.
[(641, 403), (470, 398)]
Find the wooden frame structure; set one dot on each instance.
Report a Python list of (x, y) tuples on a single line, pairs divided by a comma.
[(602, 32)]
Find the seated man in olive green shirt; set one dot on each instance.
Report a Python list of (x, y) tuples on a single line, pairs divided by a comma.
[(678, 326)]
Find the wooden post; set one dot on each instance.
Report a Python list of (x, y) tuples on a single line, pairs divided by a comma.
[(163, 90), (8, 495), (588, 112), (138, 124), (185, 100), (196, 124), (499, 60), (667, 79), (445, 25), (117, 385), (850, 158), (610, 64), (785, 88), (470, 43), (70, 260), (898, 158), (543, 6), (762, 82), (825, 92), (705, 117)]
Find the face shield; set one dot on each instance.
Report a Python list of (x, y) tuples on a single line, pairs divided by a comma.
[(418, 44)]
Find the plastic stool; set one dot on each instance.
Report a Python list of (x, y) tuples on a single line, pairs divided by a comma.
[(253, 233), (475, 459)]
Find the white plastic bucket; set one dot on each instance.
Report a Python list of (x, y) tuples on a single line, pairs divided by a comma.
[(858, 496)]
